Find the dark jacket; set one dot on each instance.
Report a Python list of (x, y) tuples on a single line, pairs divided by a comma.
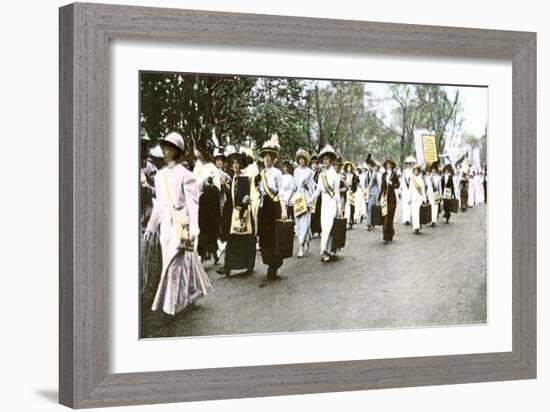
[(449, 184), (394, 184)]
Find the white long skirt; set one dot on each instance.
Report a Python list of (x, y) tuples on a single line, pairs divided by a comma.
[(406, 210), (435, 207), (480, 194), (183, 280), (301, 227), (360, 205), (415, 210), (328, 212), (471, 193)]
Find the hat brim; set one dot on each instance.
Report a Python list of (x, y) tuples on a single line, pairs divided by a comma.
[(329, 154), (238, 157), (393, 164), (167, 143), (269, 150), (349, 163), (303, 155)]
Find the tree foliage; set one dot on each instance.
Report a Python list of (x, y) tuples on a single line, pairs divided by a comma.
[(304, 113)]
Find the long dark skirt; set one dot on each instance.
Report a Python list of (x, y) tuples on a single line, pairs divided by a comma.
[(463, 195), (267, 214), (316, 217), (387, 224), (226, 220), (209, 222)]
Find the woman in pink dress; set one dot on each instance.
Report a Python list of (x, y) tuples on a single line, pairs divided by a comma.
[(183, 279)]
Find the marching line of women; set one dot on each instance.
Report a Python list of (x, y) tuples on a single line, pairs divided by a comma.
[(230, 204)]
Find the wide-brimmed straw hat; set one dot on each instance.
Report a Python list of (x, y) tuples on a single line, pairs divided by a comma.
[(327, 150), (417, 166), (303, 153), (175, 139), (271, 146), (239, 157), (348, 162)]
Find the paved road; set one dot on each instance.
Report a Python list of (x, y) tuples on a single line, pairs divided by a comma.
[(436, 278)]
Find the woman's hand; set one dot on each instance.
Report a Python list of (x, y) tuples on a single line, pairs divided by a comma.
[(340, 214), (284, 214), (246, 200)]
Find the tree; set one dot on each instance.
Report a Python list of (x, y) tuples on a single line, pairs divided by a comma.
[(439, 112), (409, 113), (194, 104), (280, 106)]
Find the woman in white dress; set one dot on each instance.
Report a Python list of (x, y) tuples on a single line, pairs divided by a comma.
[(418, 197), (433, 190), (183, 279), (288, 188), (471, 191), (328, 187), (360, 204), (479, 190), (305, 189)]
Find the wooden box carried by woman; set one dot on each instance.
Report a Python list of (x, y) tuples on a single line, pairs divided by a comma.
[(425, 214), (339, 233), (451, 205)]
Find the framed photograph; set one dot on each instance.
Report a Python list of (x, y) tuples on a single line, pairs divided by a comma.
[(256, 205)]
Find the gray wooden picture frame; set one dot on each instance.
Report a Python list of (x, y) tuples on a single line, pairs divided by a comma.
[(85, 31)]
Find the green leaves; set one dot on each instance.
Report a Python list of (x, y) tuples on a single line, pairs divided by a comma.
[(304, 113)]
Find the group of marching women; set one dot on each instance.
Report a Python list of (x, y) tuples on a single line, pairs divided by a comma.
[(228, 204)]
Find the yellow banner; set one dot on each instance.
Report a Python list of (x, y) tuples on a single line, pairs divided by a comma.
[(430, 149)]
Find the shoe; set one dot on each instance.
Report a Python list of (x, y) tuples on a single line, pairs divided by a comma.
[(272, 275), (416, 231), (325, 258), (370, 228), (386, 242), (307, 247), (447, 220), (433, 224), (223, 271), (301, 252)]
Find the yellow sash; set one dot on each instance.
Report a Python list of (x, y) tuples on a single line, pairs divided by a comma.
[(266, 187), (417, 186), (327, 186)]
